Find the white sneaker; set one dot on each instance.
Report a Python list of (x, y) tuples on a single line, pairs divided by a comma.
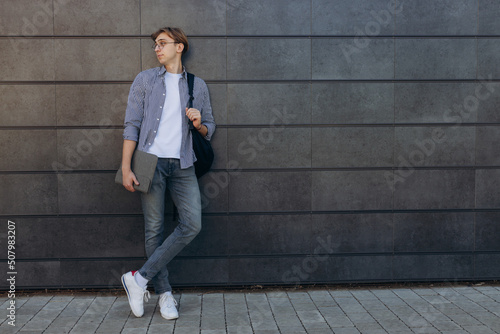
[(136, 295), (168, 307)]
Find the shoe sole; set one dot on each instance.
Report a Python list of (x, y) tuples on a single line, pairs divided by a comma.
[(128, 296), (164, 317)]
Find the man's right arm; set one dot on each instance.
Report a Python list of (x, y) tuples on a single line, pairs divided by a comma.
[(133, 119), (129, 178)]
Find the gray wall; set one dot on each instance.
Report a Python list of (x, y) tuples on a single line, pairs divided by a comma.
[(357, 139)]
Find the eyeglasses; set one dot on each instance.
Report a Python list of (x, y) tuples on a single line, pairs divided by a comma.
[(161, 44)]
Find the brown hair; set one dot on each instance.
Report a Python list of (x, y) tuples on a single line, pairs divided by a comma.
[(176, 34)]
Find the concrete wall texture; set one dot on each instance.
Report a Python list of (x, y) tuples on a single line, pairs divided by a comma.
[(357, 140)]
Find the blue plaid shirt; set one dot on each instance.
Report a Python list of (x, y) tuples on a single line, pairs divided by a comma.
[(145, 106)]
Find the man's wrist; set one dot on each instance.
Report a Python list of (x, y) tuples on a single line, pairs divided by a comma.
[(200, 127)]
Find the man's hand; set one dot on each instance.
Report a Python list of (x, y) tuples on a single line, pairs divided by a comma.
[(194, 116), (129, 180)]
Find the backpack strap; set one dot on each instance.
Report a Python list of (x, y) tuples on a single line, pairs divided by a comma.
[(190, 80)]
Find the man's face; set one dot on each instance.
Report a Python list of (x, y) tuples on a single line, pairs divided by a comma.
[(167, 50)]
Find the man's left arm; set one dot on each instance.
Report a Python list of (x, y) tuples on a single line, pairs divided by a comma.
[(203, 120)]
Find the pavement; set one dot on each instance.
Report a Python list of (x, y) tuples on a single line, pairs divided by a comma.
[(431, 308)]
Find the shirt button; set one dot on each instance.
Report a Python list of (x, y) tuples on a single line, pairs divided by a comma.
[(157, 119), (155, 131), (149, 143)]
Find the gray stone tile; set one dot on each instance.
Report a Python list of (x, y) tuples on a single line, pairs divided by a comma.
[(435, 59), (38, 196), (278, 104), (96, 148), (435, 189), (28, 105), (82, 193), (339, 59), (354, 147), (426, 231), (438, 266), (487, 188), (488, 50), (282, 17), (35, 243), (210, 16), (326, 197), (270, 147), (352, 102), (435, 102), (214, 188), (487, 152), (189, 271), (220, 144), (278, 59), (366, 234), (489, 97), (16, 63), (206, 58), (94, 17), (35, 157), (103, 104), (361, 267), (487, 17), (100, 61), (264, 234), (23, 17), (293, 189), (422, 146), (358, 17), (427, 17)]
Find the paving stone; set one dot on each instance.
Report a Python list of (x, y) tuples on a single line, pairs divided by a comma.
[(267, 331), (340, 293), (426, 330), (346, 330), (134, 331), (317, 331), (363, 295), (239, 330), (448, 310), (62, 325), (292, 330), (187, 330), (160, 329), (188, 320), (77, 307), (237, 320), (213, 323)]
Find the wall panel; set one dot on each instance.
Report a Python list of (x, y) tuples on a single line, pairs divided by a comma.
[(357, 140)]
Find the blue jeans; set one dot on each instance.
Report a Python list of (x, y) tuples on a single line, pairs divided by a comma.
[(183, 187)]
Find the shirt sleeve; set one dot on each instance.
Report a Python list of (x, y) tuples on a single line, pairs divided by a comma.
[(207, 117), (135, 109)]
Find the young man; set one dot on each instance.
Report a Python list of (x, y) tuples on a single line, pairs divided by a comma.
[(156, 122)]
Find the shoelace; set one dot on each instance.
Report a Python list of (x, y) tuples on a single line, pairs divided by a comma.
[(147, 295), (164, 300)]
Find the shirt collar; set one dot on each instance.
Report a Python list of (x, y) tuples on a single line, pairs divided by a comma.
[(163, 70)]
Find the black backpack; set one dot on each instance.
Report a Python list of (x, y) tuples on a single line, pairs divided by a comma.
[(202, 147)]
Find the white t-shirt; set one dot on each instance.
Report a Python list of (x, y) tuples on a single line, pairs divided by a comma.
[(167, 143)]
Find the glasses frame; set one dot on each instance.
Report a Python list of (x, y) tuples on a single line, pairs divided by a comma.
[(160, 46)]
